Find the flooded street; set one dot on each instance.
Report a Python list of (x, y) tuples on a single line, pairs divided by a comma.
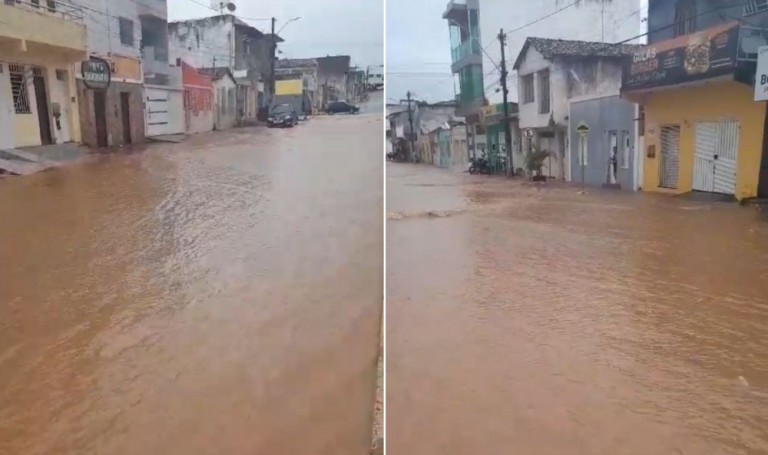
[(219, 296), (534, 320)]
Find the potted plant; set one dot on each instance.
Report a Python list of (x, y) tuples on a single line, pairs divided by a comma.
[(534, 161)]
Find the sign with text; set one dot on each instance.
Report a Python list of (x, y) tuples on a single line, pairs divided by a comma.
[(97, 73), (761, 76), (702, 55)]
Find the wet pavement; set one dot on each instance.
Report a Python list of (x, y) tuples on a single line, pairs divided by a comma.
[(219, 296), (535, 320)]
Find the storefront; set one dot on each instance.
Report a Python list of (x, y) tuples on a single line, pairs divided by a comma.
[(111, 101), (703, 129), (492, 118)]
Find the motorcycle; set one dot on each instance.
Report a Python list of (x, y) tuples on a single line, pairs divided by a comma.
[(479, 166)]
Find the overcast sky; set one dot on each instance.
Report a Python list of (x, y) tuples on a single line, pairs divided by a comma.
[(418, 50), (328, 27)]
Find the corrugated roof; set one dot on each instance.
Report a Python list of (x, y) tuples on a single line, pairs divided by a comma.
[(551, 48), (217, 73), (333, 64), (295, 63)]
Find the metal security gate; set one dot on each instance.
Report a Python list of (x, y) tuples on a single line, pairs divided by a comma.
[(704, 157), (669, 161), (726, 155), (714, 166)]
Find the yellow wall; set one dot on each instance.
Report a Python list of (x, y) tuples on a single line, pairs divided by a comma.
[(126, 69), (292, 87), (710, 102), (22, 23)]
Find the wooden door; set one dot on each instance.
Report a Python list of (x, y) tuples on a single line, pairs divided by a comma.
[(100, 114), (43, 114), (125, 108)]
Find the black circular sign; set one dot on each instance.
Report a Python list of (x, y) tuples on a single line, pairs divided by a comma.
[(97, 73)]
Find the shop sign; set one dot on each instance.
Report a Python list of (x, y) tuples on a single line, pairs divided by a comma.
[(97, 74), (582, 129), (703, 55), (494, 113), (761, 76)]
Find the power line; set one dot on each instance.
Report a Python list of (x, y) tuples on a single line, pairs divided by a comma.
[(484, 49)]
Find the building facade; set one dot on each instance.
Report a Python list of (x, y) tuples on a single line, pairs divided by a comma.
[(492, 122), (164, 112), (608, 21), (703, 130), (225, 113), (112, 114), (304, 69), (463, 20), (551, 74), (333, 78), (225, 41), (41, 48), (198, 100)]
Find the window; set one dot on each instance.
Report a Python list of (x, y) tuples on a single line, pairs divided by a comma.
[(685, 17), (543, 91), (126, 31), (19, 89), (582, 157), (755, 6), (61, 75), (528, 89), (51, 5)]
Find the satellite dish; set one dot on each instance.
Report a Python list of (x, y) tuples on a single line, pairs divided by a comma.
[(231, 7)]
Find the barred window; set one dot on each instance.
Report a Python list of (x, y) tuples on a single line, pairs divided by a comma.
[(755, 6), (19, 89)]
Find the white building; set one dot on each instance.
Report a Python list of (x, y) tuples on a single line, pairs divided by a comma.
[(561, 84), (607, 21)]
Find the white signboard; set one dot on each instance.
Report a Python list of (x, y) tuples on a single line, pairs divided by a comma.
[(761, 77), (528, 133)]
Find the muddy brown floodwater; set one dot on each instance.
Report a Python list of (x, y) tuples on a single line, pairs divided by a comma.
[(538, 321), (220, 296)]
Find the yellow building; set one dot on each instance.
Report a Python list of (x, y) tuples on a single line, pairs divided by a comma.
[(703, 129), (39, 46)]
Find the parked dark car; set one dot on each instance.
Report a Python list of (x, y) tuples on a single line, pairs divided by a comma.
[(340, 107), (283, 115)]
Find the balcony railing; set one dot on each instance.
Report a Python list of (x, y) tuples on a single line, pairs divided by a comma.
[(52, 7), (469, 47)]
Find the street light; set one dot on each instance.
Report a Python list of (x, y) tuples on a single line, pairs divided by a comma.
[(274, 53), (281, 28)]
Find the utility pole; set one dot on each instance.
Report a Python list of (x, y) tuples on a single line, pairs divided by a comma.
[(507, 132), (272, 62), (410, 122)]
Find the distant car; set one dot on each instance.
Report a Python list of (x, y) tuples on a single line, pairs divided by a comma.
[(283, 115), (340, 107)]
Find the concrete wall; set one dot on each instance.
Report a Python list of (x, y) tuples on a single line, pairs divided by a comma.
[(602, 115), (225, 112), (621, 20), (104, 29), (22, 22), (558, 91), (199, 42), (709, 102), (25, 128)]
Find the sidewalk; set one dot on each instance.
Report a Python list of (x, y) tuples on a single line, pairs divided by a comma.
[(28, 160)]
